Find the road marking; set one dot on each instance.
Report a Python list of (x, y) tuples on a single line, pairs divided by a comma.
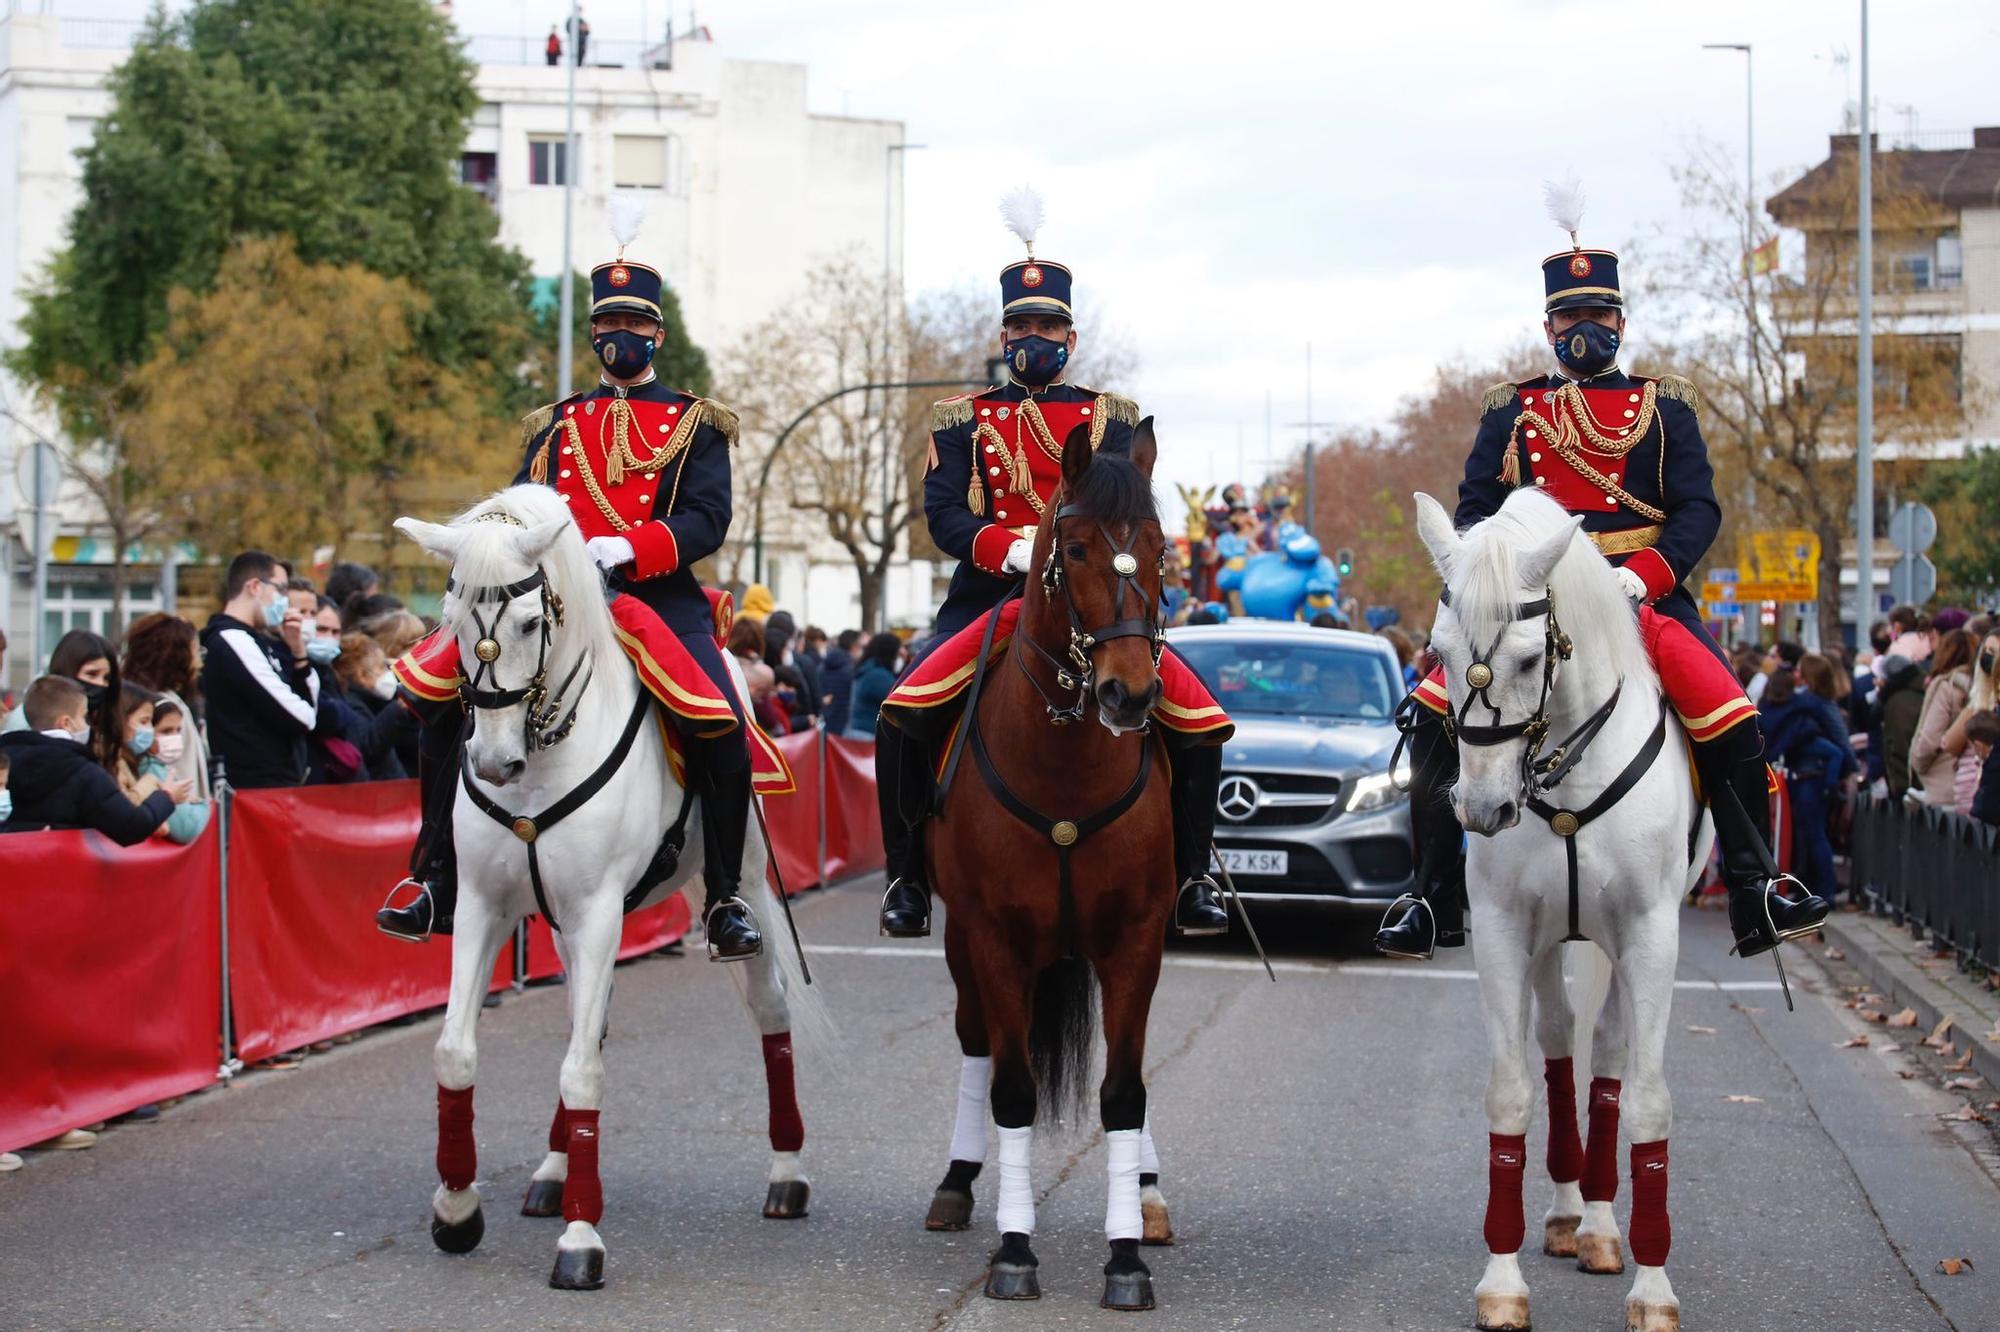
[(1248, 964)]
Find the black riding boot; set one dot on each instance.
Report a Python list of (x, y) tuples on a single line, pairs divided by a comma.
[(903, 784), (725, 814), (1433, 916), (1197, 773), (434, 859), (1738, 791)]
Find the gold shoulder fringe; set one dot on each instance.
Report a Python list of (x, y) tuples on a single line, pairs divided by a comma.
[(1497, 397), (722, 418), (1118, 407), (1680, 390), (951, 412), (535, 422)]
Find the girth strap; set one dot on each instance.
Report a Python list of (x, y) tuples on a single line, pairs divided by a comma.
[(1566, 823)]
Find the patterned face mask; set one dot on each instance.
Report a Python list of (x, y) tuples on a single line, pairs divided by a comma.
[(623, 353), (1587, 348), (1036, 360)]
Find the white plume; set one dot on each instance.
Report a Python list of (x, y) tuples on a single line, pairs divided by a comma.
[(627, 212), (1021, 210), (1565, 201)]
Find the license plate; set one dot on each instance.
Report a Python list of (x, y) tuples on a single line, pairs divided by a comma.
[(1254, 862)]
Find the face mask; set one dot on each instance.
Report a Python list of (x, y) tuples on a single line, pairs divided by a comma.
[(6, 805), (91, 692), (385, 688), (82, 737), (623, 353), (322, 651), (1986, 663), (171, 748), (142, 740), (1036, 360), (274, 613), (1587, 348)]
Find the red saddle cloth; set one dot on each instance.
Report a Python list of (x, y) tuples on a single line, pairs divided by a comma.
[(943, 676), (1704, 693), (431, 670)]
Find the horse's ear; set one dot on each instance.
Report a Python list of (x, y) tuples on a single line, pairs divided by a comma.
[(1145, 449), (1076, 456), (534, 542), (1439, 536), (436, 538), (1539, 563)]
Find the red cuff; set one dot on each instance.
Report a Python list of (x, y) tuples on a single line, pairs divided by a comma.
[(1654, 571), (989, 549), (655, 553)]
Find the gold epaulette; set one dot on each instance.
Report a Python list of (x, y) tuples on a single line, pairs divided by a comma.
[(1497, 397), (1118, 407), (951, 412), (722, 418), (533, 424), (1680, 390)]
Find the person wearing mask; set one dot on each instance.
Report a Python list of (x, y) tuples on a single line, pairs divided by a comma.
[(90, 660), (1911, 635), (1899, 701), (263, 702), (334, 750), (780, 636), (163, 654), (1803, 730), (872, 683), (836, 679), (1982, 741), (1933, 771), (1982, 696), (56, 780), (389, 731), (170, 745)]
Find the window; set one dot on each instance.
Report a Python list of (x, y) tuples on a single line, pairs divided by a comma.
[(548, 162), (1950, 261), (481, 171), (639, 161), (1279, 678)]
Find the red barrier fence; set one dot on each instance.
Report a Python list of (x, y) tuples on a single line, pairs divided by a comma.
[(110, 978), (112, 970)]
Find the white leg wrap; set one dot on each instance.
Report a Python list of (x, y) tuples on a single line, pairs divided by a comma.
[(1149, 1159), (968, 1131), (1121, 1206), (1016, 1211)]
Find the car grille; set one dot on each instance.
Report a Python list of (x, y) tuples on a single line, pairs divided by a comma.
[(1284, 799), (1381, 859)]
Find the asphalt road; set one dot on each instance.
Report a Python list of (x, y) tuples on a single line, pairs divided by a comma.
[(1322, 1138)]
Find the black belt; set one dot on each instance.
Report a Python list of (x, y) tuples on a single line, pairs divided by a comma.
[(1566, 823)]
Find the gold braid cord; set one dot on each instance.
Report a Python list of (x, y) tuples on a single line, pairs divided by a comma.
[(616, 433), (533, 424), (1564, 442)]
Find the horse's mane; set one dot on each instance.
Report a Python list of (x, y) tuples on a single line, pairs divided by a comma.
[(1590, 603), (486, 559), (1114, 490)]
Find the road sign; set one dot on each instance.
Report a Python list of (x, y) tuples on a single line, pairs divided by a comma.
[(1721, 610), (1912, 528), (1719, 592), (1778, 565), (1913, 580)]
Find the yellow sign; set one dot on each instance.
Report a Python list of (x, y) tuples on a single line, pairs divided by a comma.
[(1779, 565)]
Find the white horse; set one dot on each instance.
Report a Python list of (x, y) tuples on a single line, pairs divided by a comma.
[(1580, 741), (526, 600)]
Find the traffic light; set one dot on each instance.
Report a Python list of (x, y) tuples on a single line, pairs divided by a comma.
[(1343, 561)]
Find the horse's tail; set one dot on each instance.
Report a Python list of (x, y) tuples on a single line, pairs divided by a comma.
[(1061, 1036), (813, 1027)]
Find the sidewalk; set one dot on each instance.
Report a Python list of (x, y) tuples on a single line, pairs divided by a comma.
[(1904, 969)]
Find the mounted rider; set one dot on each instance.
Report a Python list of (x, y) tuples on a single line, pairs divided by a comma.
[(645, 470), (1626, 452), (995, 463)]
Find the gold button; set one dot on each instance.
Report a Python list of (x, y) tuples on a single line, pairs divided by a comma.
[(1564, 824), (989, 448), (672, 410), (1612, 500), (1479, 675), (486, 650), (1086, 411), (524, 828), (565, 450), (565, 472), (1063, 834), (1534, 457), (663, 427), (1630, 412), (1614, 476), (1635, 397), (1541, 480), (992, 471), (1529, 433), (572, 409), (986, 411), (648, 499)]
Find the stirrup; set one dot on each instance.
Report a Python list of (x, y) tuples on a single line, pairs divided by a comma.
[(882, 909), (423, 895), (1770, 891), (1414, 903), (715, 955), (1191, 883)]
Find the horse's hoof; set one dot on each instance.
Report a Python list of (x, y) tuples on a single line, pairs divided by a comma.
[(1559, 1236), (1128, 1290), (786, 1199), (1651, 1316), (1012, 1281), (949, 1211), (544, 1198), (578, 1269), (1603, 1255), (462, 1237), (1502, 1313), (1159, 1227)]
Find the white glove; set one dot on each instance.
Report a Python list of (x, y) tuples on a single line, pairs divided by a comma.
[(1635, 586), (609, 551), (1017, 556)]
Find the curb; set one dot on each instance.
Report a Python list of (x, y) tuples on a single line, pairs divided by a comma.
[(1906, 984)]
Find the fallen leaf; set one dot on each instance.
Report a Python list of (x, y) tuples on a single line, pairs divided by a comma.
[(1856, 1041), (1965, 1114), (1701, 1031), (1960, 1064), (1993, 1105), (1993, 1035), (1953, 1266), (1871, 1015), (1906, 1018), (1941, 1030), (1905, 1074), (1744, 1100), (1835, 955), (1873, 998), (1963, 1084), (1945, 1051), (1752, 1008)]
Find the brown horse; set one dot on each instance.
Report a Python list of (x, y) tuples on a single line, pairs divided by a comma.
[(1054, 850)]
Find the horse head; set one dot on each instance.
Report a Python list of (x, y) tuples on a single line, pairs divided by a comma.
[(1102, 557), (1500, 643), (519, 573)]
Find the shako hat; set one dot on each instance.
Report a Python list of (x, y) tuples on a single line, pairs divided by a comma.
[(621, 284), (1576, 278), (1031, 285)]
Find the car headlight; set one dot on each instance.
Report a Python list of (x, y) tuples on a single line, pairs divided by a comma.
[(1375, 791)]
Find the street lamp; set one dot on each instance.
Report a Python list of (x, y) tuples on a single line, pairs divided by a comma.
[(891, 290), (1749, 267)]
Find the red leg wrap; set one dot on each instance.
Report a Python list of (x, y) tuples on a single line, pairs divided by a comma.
[(1506, 1165), (788, 1131), (583, 1192), (1600, 1156), (1565, 1146), (1652, 1233), (457, 1155), (559, 1129)]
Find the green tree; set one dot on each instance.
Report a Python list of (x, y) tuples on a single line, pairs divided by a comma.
[(1966, 494)]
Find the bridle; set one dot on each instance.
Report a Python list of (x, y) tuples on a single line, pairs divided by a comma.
[(545, 724), (1075, 670)]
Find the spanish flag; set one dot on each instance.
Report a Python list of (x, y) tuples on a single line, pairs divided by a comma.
[(1762, 260)]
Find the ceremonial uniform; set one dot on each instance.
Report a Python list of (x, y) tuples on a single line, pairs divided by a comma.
[(649, 466), (994, 467), (1625, 452)]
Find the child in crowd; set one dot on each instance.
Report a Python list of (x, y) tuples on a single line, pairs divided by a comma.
[(1982, 737), (56, 783), (188, 820)]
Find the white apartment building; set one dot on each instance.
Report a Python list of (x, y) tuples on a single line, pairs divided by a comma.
[(747, 190)]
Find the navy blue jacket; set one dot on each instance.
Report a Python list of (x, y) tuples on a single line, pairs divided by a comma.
[(57, 784), (836, 679), (872, 684), (1799, 730)]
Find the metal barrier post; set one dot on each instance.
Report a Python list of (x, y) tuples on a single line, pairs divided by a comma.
[(521, 957), (819, 758), (224, 806)]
